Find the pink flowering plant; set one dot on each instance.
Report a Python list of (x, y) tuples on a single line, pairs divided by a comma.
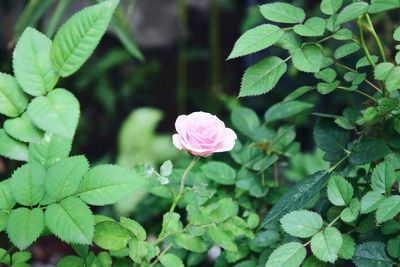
[(243, 194)]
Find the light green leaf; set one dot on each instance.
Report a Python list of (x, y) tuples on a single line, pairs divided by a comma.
[(302, 223), (221, 238), (69, 261), (25, 226), (58, 113), (191, 243), (245, 120), (368, 150), (11, 148), (106, 184), (370, 202), (166, 168), (349, 246), (351, 213), (343, 34), (13, 100), (388, 209), (32, 65), (63, 178), (351, 12), (23, 129), (71, 220), (282, 12), (346, 50), (285, 110), (27, 184), (327, 75), (396, 33), (393, 247), (308, 58), (383, 177), (363, 62), (21, 257), (329, 7), (7, 201), (326, 88), (134, 227), (171, 260), (76, 40), (52, 149), (326, 244), (390, 74), (111, 235), (288, 255), (256, 39), (219, 172), (297, 196), (298, 93), (371, 254), (262, 77), (383, 5), (312, 261), (340, 191), (312, 27)]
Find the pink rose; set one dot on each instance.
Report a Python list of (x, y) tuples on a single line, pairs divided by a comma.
[(202, 134)]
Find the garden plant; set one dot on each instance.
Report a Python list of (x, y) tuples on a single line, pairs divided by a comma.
[(246, 195)]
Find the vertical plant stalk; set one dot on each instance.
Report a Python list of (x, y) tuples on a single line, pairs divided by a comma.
[(178, 197), (215, 52), (362, 42), (376, 37), (181, 90)]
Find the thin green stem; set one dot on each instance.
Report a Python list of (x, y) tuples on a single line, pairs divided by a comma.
[(376, 37), (367, 81), (362, 42), (359, 92), (161, 254), (333, 222), (178, 197)]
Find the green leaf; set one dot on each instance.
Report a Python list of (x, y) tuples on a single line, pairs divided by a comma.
[(368, 150), (76, 40), (393, 247), (11, 148), (298, 93), (63, 178), (371, 254), (363, 62), (286, 110), (390, 74), (370, 202), (343, 34), (388, 209), (32, 65), (111, 235), (396, 33), (308, 58), (245, 120), (171, 260), (297, 196), (351, 213), (340, 191), (21, 257), (107, 184), (329, 7), (219, 172), (69, 261), (288, 255), (326, 88), (166, 168), (25, 226), (327, 75), (351, 12), (346, 50), (329, 137), (383, 177), (349, 246), (27, 184), (326, 244), (4, 257), (58, 112), (13, 100), (312, 27), (23, 129), (282, 12), (171, 223), (221, 238), (383, 5), (262, 77), (7, 201), (312, 261), (134, 227), (302, 223), (256, 39), (52, 149), (71, 220), (191, 243)]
